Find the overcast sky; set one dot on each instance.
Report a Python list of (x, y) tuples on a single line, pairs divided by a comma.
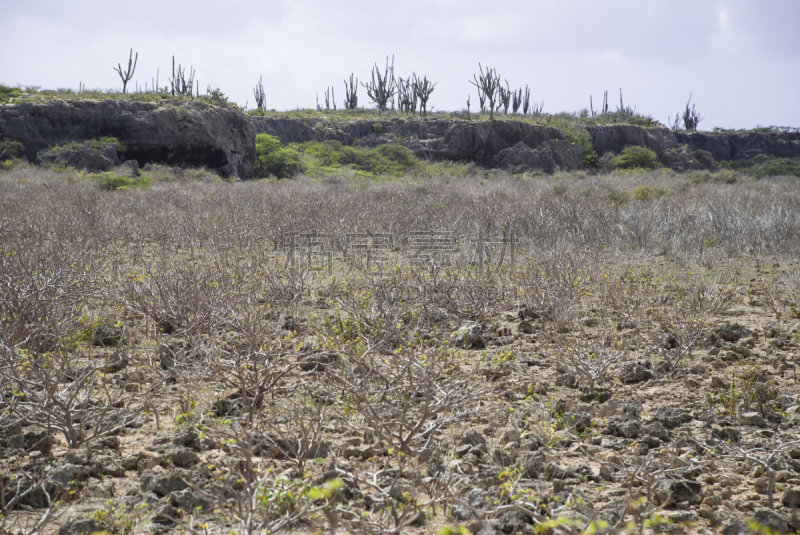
[(740, 59)]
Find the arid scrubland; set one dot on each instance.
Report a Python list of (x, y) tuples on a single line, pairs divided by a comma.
[(578, 353)]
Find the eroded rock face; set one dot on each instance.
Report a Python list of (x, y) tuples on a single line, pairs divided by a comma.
[(550, 157), (100, 158), (482, 141), (740, 145), (614, 138), (682, 160), (179, 133)]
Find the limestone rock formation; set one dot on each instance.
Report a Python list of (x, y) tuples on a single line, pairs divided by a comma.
[(97, 157), (614, 138), (172, 132), (682, 160), (549, 157), (741, 145)]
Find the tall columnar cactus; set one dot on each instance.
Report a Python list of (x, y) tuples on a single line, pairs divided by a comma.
[(487, 84), (259, 94), (351, 94), (423, 89), (382, 88), (127, 75)]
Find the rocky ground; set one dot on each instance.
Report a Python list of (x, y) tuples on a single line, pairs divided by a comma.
[(176, 374)]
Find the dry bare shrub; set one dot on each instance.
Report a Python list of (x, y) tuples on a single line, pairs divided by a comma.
[(680, 318), (258, 365), (398, 494), (627, 296), (467, 294), (16, 492), (180, 297), (294, 426), (782, 296), (42, 292), (380, 307), (63, 392), (765, 456), (557, 285), (404, 399), (593, 361), (248, 493)]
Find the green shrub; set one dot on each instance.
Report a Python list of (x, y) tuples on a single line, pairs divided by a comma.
[(11, 150), (399, 155), (266, 143), (776, 167), (7, 93), (283, 163), (327, 153), (635, 158), (274, 159), (646, 193), (111, 181), (328, 157), (101, 141)]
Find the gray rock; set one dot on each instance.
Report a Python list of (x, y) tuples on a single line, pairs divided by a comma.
[(470, 335), (82, 527), (733, 332), (79, 456), (164, 483), (30, 494), (772, 520), (109, 467), (633, 372), (286, 129), (614, 138), (726, 434), (549, 157), (568, 156), (36, 438), (188, 438), (131, 167), (515, 522), (738, 145), (181, 456), (95, 157), (319, 361), (791, 498), (481, 141), (622, 427), (580, 420), (667, 492), (188, 500), (671, 417), (178, 133), (520, 158), (682, 160), (752, 418), (101, 489), (61, 476), (526, 327), (532, 463), (473, 438), (656, 430)]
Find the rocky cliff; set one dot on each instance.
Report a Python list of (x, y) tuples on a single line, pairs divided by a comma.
[(438, 139), (193, 133), (742, 145), (180, 133)]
